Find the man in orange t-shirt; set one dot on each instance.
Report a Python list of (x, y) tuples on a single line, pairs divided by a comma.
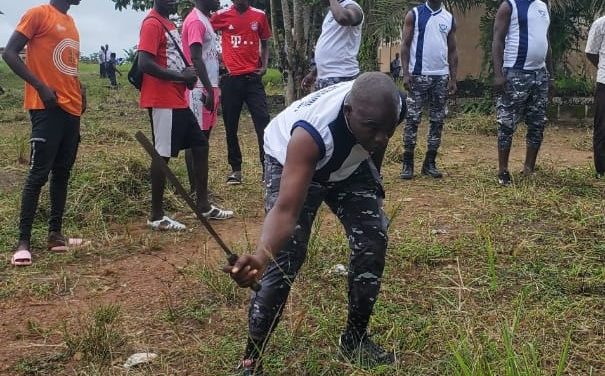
[(55, 99)]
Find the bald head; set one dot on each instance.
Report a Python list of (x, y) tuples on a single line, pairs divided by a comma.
[(375, 89), (373, 109)]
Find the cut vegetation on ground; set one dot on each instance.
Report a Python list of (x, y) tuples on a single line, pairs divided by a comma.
[(480, 280)]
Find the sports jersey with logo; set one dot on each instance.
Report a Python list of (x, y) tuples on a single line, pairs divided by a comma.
[(526, 42), (197, 29), (429, 49), (241, 34), (321, 115), (155, 92), (337, 47), (53, 52)]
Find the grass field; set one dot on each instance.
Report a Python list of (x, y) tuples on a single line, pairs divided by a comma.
[(480, 280)]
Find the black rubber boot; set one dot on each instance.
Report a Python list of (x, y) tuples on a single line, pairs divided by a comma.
[(530, 160), (429, 167), (407, 172)]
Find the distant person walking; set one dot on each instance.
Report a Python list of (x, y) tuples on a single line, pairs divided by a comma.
[(429, 60), (595, 52), (523, 74), (245, 46), (55, 99), (111, 68), (103, 59), (338, 45)]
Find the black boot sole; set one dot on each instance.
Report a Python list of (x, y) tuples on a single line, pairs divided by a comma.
[(426, 173)]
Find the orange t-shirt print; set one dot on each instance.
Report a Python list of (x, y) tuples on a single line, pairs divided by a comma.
[(53, 52)]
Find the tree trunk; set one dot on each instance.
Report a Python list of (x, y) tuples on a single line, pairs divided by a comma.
[(278, 42), (291, 43), (290, 51)]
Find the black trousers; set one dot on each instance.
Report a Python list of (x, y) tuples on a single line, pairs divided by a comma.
[(102, 70), (599, 129), (235, 91), (111, 74), (356, 203), (54, 145)]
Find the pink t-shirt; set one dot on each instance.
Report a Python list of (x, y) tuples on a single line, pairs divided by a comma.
[(197, 29)]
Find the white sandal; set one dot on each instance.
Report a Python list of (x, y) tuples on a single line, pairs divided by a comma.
[(166, 224), (217, 213)]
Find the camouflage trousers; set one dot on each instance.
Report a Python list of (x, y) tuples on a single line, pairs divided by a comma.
[(431, 90), (356, 202), (321, 83), (525, 97)]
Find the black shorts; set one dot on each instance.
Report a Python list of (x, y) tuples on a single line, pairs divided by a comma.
[(174, 130)]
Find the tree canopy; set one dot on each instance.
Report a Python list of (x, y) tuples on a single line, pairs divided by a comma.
[(570, 22)]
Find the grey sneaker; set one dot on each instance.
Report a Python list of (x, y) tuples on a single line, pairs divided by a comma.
[(235, 178)]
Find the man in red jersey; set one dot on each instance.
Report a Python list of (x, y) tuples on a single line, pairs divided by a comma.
[(245, 33)]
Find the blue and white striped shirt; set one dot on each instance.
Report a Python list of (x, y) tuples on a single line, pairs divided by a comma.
[(429, 50), (526, 42)]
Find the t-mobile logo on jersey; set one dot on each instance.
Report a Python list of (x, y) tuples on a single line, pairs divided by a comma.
[(236, 41)]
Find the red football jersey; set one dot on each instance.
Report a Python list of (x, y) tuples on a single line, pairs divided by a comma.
[(155, 92), (241, 34)]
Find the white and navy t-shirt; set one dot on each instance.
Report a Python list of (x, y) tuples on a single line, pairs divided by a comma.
[(429, 50), (321, 114), (337, 47), (526, 44), (596, 46)]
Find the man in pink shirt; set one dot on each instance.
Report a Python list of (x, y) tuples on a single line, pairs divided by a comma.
[(201, 48)]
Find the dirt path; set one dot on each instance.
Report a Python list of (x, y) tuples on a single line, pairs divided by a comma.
[(141, 284)]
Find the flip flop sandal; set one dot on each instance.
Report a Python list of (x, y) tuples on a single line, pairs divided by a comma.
[(21, 258), (166, 224), (218, 213), (57, 245), (60, 246)]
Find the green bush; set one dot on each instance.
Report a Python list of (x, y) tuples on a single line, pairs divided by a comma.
[(273, 77), (574, 86)]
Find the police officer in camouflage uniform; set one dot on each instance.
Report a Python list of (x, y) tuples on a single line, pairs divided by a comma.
[(521, 55), (318, 150), (429, 62)]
